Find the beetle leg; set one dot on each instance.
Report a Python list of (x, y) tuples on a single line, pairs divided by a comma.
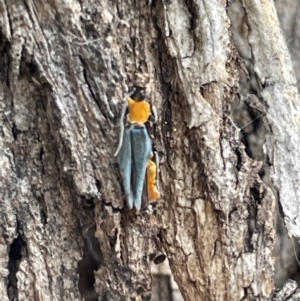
[(156, 160), (121, 125), (152, 170), (154, 114)]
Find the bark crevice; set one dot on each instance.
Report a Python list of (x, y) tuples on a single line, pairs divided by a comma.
[(16, 252), (91, 261)]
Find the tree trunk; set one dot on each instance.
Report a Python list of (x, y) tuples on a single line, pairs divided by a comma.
[(253, 131), (65, 70)]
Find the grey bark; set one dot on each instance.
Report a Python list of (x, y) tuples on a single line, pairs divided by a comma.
[(254, 133), (275, 73), (67, 235)]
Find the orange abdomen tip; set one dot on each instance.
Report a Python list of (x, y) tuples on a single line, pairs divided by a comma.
[(153, 193)]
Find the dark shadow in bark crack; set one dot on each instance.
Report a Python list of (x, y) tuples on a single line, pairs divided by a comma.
[(91, 261), (15, 256)]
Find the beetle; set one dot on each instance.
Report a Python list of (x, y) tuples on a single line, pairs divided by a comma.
[(134, 152)]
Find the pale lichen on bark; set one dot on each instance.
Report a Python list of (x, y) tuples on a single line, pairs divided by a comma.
[(275, 74)]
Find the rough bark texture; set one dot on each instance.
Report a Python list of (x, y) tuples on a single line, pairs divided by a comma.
[(65, 70), (289, 16), (252, 123), (286, 264), (216, 251), (275, 75)]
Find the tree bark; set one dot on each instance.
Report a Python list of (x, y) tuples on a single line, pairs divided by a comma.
[(253, 130), (65, 70), (275, 74), (217, 250)]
